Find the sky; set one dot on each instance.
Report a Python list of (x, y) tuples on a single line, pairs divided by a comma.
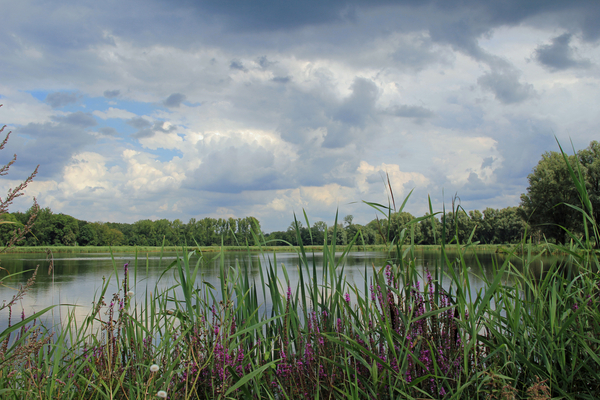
[(186, 109)]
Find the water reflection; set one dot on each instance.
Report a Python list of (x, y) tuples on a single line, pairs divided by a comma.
[(77, 279)]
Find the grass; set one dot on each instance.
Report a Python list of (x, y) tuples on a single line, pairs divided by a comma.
[(505, 248), (407, 333)]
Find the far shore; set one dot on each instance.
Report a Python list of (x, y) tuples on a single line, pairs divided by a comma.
[(497, 248)]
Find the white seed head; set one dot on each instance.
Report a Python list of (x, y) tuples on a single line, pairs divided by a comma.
[(154, 368), (162, 394), (130, 293)]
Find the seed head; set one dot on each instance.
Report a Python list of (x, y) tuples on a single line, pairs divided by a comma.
[(154, 368)]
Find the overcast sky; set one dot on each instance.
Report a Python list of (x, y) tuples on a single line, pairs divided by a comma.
[(231, 108)]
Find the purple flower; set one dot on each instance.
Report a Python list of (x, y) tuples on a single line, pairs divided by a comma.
[(347, 297)]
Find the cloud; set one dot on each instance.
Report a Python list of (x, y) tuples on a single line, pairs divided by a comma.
[(139, 123), (405, 111), (237, 64), (108, 131), (114, 113), (51, 144), (278, 16), (79, 119), (559, 55), (147, 130), (264, 62), (281, 79), (295, 97), (174, 100), (111, 94), (61, 99), (351, 116), (164, 127), (506, 87), (487, 162), (236, 168)]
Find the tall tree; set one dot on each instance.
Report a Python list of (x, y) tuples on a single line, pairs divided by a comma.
[(590, 160), (550, 189)]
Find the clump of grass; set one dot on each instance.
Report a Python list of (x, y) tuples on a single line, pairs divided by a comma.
[(407, 332)]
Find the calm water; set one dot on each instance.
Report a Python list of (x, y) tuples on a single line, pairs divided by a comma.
[(78, 278)]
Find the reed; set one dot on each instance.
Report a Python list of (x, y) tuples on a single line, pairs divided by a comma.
[(407, 332), (259, 248)]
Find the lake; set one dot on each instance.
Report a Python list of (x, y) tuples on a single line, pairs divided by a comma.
[(76, 279)]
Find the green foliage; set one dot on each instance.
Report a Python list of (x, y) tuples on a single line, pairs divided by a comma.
[(551, 189), (590, 162)]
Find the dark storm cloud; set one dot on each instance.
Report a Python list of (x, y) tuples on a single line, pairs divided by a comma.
[(108, 131), (458, 23), (110, 94), (139, 123), (58, 31), (506, 87), (174, 100), (352, 115), (143, 133), (78, 25), (487, 162), (79, 119), (357, 107), (406, 111), (417, 53), (52, 144), (319, 118), (61, 99), (264, 62), (559, 55), (281, 79), (237, 64), (268, 15)]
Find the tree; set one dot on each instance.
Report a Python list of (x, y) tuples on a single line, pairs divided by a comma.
[(318, 232), (348, 220), (67, 229), (19, 233), (458, 226), (510, 228), (341, 236), (550, 189), (430, 229), (590, 160), (87, 235)]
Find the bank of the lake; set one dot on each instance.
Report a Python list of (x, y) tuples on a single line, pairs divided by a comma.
[(497, 248), (413, 329)]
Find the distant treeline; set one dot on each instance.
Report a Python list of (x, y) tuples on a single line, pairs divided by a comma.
[(60, 229), (490, 227)]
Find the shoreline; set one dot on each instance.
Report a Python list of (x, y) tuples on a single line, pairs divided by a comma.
[(498, 248)]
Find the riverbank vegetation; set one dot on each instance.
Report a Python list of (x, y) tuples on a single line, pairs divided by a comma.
[(143, 250), (406, 332), (493, 226)]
